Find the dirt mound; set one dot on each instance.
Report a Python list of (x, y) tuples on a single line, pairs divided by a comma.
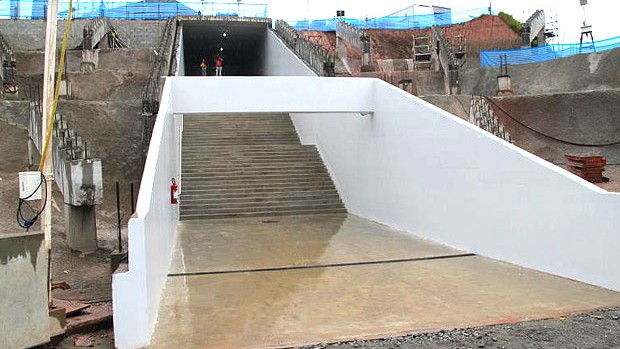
[(326, 39), (484, 33), (393, 44)]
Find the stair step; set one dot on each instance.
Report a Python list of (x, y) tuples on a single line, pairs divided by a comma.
[(252, 172), (262, 214), (259, 207), (254, 197), (239, 129), (280, 148), (228, 118), (292, 156), (256, 204), (249, 142), (226, 151), (262, 146), (201, 137), (239, 187), (258, 176), (247, 127), (219, 171), (242, 193), (251, 165)]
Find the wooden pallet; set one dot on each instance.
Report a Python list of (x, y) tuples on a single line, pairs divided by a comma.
[(588, 167)]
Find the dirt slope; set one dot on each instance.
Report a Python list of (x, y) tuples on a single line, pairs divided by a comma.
[(587, 118), (105, 110)]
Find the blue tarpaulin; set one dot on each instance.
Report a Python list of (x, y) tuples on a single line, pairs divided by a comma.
[(145, 9), (393, 22), (545, 53)]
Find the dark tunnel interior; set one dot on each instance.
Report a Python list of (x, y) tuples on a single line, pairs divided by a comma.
[(241, 45)]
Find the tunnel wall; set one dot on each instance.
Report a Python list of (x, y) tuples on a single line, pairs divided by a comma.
[(280, 60), (413, 166), (180, 71)]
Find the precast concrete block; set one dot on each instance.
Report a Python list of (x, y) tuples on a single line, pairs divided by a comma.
[(81, 227)]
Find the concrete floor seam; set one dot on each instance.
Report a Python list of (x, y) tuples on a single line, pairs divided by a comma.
[(320, 266)]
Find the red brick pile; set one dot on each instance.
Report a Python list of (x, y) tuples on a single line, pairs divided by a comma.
[(588, 167)]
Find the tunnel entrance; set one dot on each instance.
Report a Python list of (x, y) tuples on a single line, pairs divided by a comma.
[(240, 43)]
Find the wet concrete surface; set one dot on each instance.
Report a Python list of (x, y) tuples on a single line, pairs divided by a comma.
[(214, 301), (293, 241)]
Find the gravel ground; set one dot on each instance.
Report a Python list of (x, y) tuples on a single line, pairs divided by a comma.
[(600, 329)]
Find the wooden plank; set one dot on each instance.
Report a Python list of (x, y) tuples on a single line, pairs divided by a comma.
[(71, 308)]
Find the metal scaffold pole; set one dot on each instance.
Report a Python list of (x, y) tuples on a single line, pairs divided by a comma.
[(48, 100)]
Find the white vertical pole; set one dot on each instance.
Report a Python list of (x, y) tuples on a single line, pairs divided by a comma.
[(48, 98)]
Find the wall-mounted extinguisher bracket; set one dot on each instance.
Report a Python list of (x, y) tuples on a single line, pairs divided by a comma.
[(174, 192)]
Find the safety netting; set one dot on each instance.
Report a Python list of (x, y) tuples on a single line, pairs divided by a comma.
[(393, 22), (146, 9), (546, 53)]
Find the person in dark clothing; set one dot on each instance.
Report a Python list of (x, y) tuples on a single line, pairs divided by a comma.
[(203, 68)]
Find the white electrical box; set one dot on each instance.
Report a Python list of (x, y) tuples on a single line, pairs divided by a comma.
[(30, 185)]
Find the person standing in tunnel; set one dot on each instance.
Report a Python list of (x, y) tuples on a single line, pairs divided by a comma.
[(203, 67), (219, 62)]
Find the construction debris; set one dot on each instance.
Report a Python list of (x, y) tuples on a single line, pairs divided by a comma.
[(588, 167), (84, 341)]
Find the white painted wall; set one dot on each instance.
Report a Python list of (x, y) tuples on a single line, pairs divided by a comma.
[(136, 293), (417, 168), (271, 94), (280, 60)]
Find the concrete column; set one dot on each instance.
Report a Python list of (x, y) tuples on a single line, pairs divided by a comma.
[(504, 84), (366, 54), (81, 227), (33, 154)]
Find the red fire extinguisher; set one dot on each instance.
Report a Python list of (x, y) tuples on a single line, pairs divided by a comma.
[(174, 192)]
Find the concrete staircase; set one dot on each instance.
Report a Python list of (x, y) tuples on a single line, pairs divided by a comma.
[(251, 165)]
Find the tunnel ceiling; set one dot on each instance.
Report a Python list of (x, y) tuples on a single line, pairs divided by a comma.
[(243, 46)]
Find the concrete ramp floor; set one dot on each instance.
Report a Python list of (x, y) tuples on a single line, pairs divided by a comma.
[(287, 281)]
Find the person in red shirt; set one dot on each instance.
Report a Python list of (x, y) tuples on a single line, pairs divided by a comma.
[(219, 62)]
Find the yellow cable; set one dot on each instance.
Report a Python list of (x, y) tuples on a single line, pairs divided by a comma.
[(63, 50)]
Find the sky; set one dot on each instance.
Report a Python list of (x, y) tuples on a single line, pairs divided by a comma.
[(568, 14)]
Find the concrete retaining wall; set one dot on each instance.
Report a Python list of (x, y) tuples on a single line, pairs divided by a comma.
[(27, 34), (23, 273), (594, 71)]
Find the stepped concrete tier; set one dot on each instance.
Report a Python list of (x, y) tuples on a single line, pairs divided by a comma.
[(251, 165)]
